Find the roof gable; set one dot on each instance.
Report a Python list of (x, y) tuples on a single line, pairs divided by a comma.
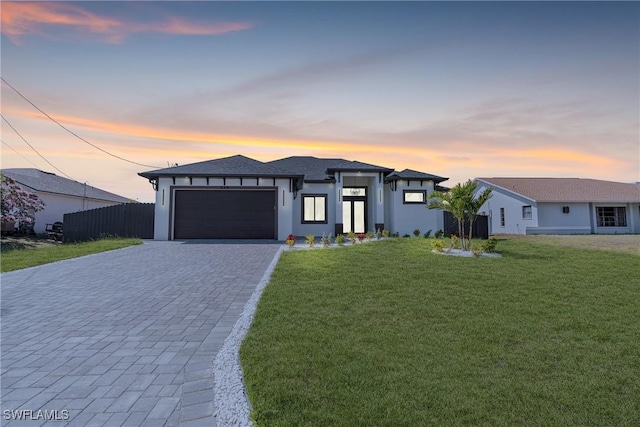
[(410, 174), (568, 189), (321, 170), (48, 182)]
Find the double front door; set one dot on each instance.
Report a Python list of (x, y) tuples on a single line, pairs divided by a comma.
[(354, 214)]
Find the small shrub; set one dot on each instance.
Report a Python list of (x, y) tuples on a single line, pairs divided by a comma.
[(396, 234), (455, 242), (416, 232), (325, 240), (353, 237), (439, 234), (427, 234), (477, 249), (291, 240), (361, 237), (489, 245), (405, 235), (311, 240), (369, 235), (340, 239), (385, 233), (437, 245)]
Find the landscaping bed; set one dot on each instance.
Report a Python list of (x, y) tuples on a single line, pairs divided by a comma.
[(391, 334)]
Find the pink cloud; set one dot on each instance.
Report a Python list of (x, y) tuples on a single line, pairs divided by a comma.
[(20, 19)]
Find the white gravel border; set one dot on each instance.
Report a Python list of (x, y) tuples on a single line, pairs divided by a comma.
[(230, 402)]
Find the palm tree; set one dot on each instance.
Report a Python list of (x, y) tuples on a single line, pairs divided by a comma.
[(463, 204), (451, 201), (474, 203)]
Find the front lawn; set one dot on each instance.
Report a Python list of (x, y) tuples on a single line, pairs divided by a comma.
[(387, 333), (16, 259)]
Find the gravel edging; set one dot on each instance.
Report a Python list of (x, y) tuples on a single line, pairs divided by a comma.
[(231, 405)]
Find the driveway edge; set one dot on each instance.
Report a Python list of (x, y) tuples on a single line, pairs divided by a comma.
[(231, 404)]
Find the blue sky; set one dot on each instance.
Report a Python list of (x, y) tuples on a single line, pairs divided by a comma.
[(459, 89)]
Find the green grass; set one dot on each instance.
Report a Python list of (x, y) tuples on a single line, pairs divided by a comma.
[(17, 259), (389, 334)]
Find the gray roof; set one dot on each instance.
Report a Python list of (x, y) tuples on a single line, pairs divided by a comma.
[(48, 182), (409, 174), (228, 166), (321, 170), (311, 168)]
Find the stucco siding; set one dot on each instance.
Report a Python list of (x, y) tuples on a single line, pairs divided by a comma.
[(553, 220), (300, 229), (406, 217), (514, 223), (635, 217)]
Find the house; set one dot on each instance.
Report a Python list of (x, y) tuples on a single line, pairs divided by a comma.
[(561, 206), (238, 197), (60, 195)]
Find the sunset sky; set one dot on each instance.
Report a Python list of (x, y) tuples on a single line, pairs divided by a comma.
[(458, 89)]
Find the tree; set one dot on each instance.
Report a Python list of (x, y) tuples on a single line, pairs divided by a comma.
[(17, 204), (463, 204), (475, 203), (451, 201)]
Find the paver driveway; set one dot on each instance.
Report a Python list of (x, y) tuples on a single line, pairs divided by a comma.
[(126, 337)]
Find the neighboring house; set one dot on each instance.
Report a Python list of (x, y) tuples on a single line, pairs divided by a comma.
[(561, 206), (239, 197), (60, 195)]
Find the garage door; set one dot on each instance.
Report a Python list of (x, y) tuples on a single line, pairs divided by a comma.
[(225, 214)]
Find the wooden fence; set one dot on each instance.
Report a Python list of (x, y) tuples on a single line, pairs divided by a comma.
[(125, 220), (480, 226)]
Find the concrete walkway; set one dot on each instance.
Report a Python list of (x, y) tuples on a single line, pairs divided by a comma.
[(123, 338)]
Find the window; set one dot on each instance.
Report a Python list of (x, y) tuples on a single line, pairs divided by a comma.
[(354, 191), (314, 208), (414, 196), (611, 216), (527, 213), (501, 217)]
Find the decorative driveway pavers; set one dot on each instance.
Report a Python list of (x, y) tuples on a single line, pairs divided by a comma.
[(126, 337)]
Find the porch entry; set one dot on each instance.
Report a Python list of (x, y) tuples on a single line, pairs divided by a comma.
[(354, 209)]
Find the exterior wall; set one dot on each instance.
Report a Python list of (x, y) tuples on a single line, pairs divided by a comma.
[(407, 217), (165, 194), (56, 205), (548, 217), (512, 205), (552, 219), (583, 219), (634, 216), (389, 216), (300, 229)]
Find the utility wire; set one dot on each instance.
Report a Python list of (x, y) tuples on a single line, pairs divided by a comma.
[(73, 133), (33, 148), (18, 153)]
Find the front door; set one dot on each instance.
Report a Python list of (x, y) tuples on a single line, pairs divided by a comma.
[(354, 213)]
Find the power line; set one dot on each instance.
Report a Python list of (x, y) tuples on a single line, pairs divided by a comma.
[(33, 148), (73, 133), (18, 153)]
